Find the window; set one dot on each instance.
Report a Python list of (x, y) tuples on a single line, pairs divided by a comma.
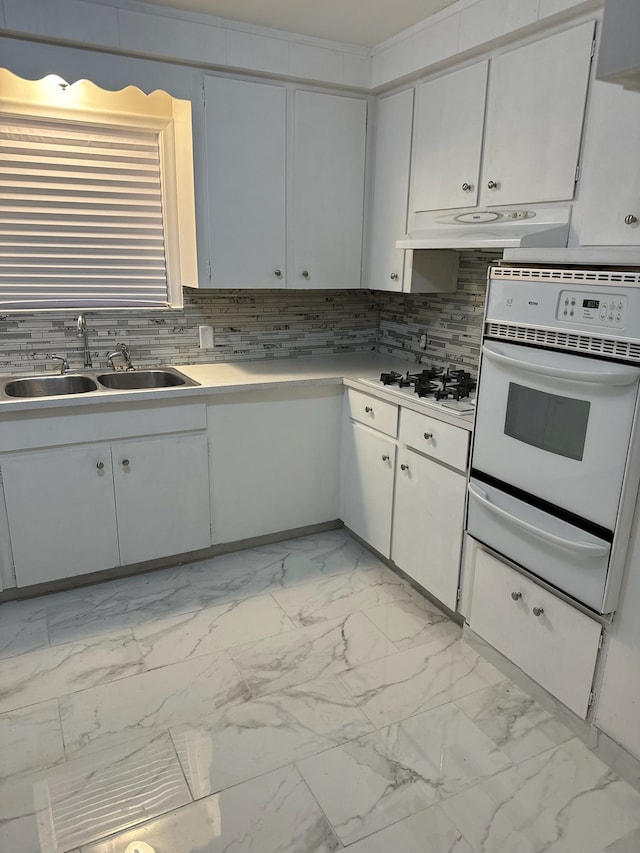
[(97, 203)]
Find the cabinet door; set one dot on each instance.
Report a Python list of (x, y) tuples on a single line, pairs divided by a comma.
[(368, 462), (328, 190), (427, 524), (390, 191), (534, 119), (448, 140), (61, 511), (246, 182), (162, 496), (610, 184)]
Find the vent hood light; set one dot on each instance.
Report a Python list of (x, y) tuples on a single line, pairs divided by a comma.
[(490, 229)]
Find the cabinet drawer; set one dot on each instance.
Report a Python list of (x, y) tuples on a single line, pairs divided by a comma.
[(441, 441), (373, 412), (557, 648)]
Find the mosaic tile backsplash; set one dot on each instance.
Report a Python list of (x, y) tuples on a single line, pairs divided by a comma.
[(250, 324)]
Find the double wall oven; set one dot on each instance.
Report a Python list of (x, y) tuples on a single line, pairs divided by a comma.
[(555, 460)]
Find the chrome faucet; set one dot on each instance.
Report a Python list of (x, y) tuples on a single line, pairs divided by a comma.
[(64, 364), (123, 351), (83, 333)]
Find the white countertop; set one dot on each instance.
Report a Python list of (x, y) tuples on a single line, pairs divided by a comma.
[(227, 377)]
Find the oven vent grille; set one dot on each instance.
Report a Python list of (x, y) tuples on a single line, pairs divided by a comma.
[(578, 276), (607, 347)]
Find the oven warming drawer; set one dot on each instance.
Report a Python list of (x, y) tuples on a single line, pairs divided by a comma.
[(565, 556)]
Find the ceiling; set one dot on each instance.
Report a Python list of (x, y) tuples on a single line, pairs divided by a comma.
[(365, 22)]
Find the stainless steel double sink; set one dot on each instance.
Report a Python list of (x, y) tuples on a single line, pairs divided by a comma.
[(64, 384)]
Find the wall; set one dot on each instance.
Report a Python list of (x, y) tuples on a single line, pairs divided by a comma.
[(250, 324)]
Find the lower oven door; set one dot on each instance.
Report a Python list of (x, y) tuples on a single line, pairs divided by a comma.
[(556, 426), (572, 560)]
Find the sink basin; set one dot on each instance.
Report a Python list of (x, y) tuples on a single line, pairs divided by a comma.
[(131, 379), (49, 386)]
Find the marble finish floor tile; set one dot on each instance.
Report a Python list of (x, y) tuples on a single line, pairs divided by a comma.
[(409, 622), (514, 721), (83, 800), (429, 831), (107, 608), (145, 704), (317, 651), (273, 814), (23, 628), (60, 670), (244, 741), (437, 672), (279, 566), (214, 628), (30, 739), (629, 844), (337, 596), (386, 776), (561, 801)]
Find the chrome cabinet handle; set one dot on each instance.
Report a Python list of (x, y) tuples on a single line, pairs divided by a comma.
[(305, 273), (394, 276), (492, 185), (99, 465), (630, 219), (368, 409), (428, 435), (125, 463), (404, 467), (516, 596), (466, 187), (385, 457), (538, 611), (277, 273)]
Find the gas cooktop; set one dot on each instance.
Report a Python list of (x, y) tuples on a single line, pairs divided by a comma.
[(448, 389)]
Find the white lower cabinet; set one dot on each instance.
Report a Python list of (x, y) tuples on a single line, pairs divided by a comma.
[(428, 519), (82, 508), (552, 642), (275, 460), (368, 465)]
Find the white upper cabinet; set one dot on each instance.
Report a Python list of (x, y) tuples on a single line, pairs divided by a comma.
[(390, 190), (537, 96), (532, 127), (246, 182), (328, 190), (610, 198), (448, 139)]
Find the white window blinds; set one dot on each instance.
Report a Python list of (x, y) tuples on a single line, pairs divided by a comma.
[(81, 217)]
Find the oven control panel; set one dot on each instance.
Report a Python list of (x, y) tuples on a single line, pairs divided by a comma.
[(593, 309)]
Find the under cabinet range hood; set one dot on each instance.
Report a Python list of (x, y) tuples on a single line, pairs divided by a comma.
[(490, 229), (619, 54)]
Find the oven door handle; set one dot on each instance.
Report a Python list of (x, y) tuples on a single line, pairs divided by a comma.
[(586, 549), (614, 377)]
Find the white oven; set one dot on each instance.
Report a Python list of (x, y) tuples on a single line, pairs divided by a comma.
[(555, 425)]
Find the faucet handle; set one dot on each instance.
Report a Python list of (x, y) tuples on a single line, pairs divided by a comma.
[(64, 364)]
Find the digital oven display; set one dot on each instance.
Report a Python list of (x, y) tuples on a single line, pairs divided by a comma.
[(590, 303)]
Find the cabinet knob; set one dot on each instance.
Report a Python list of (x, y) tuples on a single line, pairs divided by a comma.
[(630, 219), (428, 435), (394, 276), (125, 463), (466, 187), (492, 185), (516, 596), (538, 611), (99, 465), (305, 273), (385, 457), (277, 273), (368, 409), (404, 467)]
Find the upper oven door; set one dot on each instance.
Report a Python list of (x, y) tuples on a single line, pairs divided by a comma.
[(556, 426)]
